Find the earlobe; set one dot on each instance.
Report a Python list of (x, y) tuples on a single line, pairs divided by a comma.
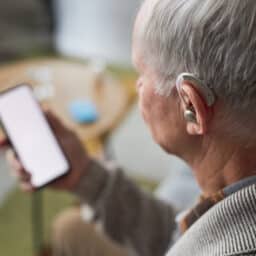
[(194, 129)]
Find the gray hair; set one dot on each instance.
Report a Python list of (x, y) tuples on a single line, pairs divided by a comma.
[(213, 39)]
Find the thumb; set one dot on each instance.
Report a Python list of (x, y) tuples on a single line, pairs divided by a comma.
[(3, 140)]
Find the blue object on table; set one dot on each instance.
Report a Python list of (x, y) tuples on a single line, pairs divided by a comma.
[(83, 111)]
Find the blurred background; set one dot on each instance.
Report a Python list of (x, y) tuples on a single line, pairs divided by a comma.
[(72, 51), (83, 29)]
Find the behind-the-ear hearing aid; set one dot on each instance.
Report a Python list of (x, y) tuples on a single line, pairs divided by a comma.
[(205, 92)]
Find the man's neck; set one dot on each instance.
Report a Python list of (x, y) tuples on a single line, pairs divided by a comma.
[(221, 163)]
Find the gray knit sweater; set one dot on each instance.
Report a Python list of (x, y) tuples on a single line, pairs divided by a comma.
[(132, 217)]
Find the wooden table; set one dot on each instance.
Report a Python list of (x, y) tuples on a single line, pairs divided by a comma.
[(72, 81)]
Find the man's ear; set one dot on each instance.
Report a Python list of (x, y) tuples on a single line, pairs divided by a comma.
[(195, 109)]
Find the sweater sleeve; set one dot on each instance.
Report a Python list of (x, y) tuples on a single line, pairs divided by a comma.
[(129, 215)]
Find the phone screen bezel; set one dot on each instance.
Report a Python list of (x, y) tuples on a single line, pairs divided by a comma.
[(8, 90)]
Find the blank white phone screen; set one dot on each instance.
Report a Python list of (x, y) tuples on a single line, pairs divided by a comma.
[(31, 136)]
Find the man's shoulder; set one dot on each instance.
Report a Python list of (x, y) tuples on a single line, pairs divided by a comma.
[(228, 228)]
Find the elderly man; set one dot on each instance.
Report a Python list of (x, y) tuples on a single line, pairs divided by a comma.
[(206, 116)]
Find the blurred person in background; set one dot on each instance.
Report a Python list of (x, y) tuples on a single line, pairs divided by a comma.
[(205, 116)]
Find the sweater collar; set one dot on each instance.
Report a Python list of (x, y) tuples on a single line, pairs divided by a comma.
[(206, 203)]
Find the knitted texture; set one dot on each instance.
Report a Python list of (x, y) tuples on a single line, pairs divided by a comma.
[(229, 228)]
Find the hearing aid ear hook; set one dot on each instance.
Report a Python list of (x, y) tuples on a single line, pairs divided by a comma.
[(204, 91)]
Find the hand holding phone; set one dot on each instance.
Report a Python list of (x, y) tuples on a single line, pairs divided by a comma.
[(72, 149)]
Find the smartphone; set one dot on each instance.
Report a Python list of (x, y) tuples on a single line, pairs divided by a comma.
[(31, 136)]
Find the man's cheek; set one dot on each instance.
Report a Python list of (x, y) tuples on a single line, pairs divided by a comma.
[(146, 101)]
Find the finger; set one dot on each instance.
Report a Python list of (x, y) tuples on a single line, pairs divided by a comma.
[(12, 160), (24, 177), (3, 140), (26, 187), (16, 167)]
